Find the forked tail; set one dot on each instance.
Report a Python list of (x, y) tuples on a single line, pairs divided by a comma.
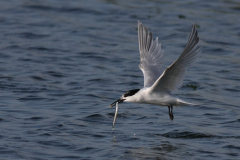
[(184, 103)]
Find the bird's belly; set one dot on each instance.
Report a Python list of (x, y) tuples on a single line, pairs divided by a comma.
[(160, 100)]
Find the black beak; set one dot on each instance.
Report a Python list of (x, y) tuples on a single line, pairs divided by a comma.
[(114, 103)]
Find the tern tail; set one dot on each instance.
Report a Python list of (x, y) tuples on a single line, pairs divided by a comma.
[(184, 103)]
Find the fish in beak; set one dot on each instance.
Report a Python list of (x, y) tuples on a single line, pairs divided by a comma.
[(117, 101), (116, 112)]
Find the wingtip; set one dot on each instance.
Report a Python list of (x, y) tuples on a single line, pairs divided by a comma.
[(140, 26), (193, 25), (139, 23)]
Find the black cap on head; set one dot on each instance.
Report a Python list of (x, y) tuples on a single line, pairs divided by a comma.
[(126, 94), (130, 93)]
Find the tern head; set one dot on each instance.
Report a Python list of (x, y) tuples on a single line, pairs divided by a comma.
[(124, 97)]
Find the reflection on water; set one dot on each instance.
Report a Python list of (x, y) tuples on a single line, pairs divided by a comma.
[(64, 62)]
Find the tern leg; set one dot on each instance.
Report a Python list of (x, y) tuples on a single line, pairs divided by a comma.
[(170, 108)]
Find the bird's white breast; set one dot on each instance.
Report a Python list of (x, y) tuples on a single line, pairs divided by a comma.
[(146, 95)]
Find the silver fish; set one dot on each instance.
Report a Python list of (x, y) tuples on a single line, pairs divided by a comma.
[(115, 116)]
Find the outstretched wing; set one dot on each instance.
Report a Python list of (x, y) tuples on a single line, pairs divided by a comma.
[(151, 56), (172, 77)]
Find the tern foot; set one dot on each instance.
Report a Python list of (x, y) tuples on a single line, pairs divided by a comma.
[(170, 108), (171, 116)]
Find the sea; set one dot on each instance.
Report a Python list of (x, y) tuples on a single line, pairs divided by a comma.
[(62, 63)]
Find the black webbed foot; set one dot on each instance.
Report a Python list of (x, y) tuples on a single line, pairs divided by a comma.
[(170, 108)]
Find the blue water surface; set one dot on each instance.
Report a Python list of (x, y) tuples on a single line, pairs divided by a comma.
[(63, 62)]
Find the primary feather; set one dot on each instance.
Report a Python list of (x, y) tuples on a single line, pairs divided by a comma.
[(172, 77), (151, 56)]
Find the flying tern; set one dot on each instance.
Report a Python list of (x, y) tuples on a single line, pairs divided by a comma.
[(159, 84)]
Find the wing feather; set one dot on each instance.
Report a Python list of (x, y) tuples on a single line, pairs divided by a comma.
[(151, 56), (172, 77)]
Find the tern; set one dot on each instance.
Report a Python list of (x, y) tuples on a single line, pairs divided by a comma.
[(159, 84)]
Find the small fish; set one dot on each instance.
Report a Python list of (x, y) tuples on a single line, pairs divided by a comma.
[(115, 116)]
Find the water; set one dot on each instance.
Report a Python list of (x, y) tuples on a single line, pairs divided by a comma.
[(63, 62)]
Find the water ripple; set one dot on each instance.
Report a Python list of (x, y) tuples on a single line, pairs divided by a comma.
[(64, 62)]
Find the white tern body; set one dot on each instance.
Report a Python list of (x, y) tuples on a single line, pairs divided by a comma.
[(159, 84)]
